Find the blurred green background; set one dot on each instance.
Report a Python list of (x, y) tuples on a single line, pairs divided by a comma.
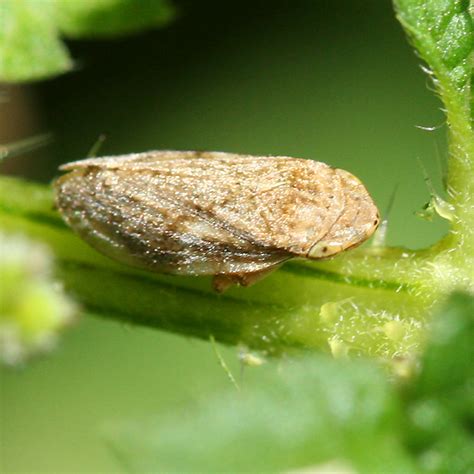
[(313, 79)]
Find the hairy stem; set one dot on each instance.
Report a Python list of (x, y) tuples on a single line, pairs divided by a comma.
[(371, 301)]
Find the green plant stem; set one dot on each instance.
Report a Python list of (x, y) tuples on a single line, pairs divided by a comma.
[(443, 34), (455, 253), (460, 169), (371, 301)]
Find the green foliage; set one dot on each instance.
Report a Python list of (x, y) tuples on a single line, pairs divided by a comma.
[(443, 33), (33, 308), (311, 412), (440, 408), (30, 44), (371, 301), (332, 305), (109, 18), (317, 410)]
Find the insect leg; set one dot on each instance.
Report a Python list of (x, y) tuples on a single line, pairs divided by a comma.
[(224, 281)]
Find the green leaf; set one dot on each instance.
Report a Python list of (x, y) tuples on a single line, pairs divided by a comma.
[(316, 411), (443, 33), (310, 413), (30, 44), (108, 18), (449, 360), (440, 404)]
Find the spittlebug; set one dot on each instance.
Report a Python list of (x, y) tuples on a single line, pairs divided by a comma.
[(236, 217)]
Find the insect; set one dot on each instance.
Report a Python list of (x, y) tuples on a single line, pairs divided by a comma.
[(237, 217)]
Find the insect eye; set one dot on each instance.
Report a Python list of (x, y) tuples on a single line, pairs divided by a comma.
[(324, 249)]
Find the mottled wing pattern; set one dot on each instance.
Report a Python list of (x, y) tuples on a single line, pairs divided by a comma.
[(356, 224), (202, 213)]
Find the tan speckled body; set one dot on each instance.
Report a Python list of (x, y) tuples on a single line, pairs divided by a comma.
[(211, 213)]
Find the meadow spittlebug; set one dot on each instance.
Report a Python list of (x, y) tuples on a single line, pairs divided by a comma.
[(236, 217)]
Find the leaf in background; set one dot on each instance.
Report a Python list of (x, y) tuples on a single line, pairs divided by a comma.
[(440, 404), (30, 45), (109, 18), (313, 412), (449, 360), (318, 410)]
